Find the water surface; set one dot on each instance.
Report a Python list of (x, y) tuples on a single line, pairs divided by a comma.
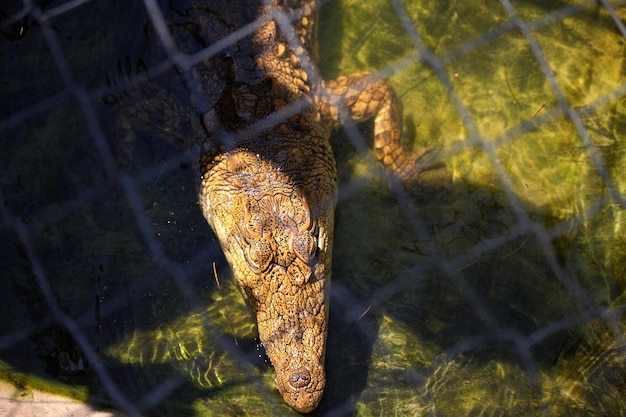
[(497, 291)]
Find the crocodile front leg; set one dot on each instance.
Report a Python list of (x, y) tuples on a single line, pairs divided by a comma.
[(363, 96)]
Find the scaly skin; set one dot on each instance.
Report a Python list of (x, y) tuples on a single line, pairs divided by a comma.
[(268, 177)]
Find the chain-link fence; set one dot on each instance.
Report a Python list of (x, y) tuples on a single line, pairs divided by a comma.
[(497, 291)]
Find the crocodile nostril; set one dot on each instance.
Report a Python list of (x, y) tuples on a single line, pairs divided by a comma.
[(300, 378)]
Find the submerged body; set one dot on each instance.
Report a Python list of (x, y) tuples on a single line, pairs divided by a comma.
[(261, 119)]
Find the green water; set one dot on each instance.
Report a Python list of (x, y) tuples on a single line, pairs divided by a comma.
[(454, 319)]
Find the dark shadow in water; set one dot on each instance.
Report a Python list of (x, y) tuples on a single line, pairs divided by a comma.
[(349, 351)]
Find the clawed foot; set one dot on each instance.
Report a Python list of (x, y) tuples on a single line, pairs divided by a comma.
[(412, 176), (426, 160)]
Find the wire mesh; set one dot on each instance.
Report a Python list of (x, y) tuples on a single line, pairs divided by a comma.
[(498, 291)]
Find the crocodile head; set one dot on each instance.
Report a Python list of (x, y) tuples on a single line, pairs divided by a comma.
[(272, 211)]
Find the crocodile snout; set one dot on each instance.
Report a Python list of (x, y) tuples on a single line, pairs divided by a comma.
[(303, 387), (300, 378)]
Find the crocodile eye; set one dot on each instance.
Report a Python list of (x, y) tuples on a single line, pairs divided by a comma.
[(305, 247), (259, 255)]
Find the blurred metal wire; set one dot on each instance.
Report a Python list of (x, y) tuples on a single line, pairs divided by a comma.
[(33, 104)]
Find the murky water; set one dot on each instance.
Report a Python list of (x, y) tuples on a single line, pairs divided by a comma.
[(498, 292)]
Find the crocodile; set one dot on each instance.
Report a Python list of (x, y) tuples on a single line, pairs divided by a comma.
[(259, 119)]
